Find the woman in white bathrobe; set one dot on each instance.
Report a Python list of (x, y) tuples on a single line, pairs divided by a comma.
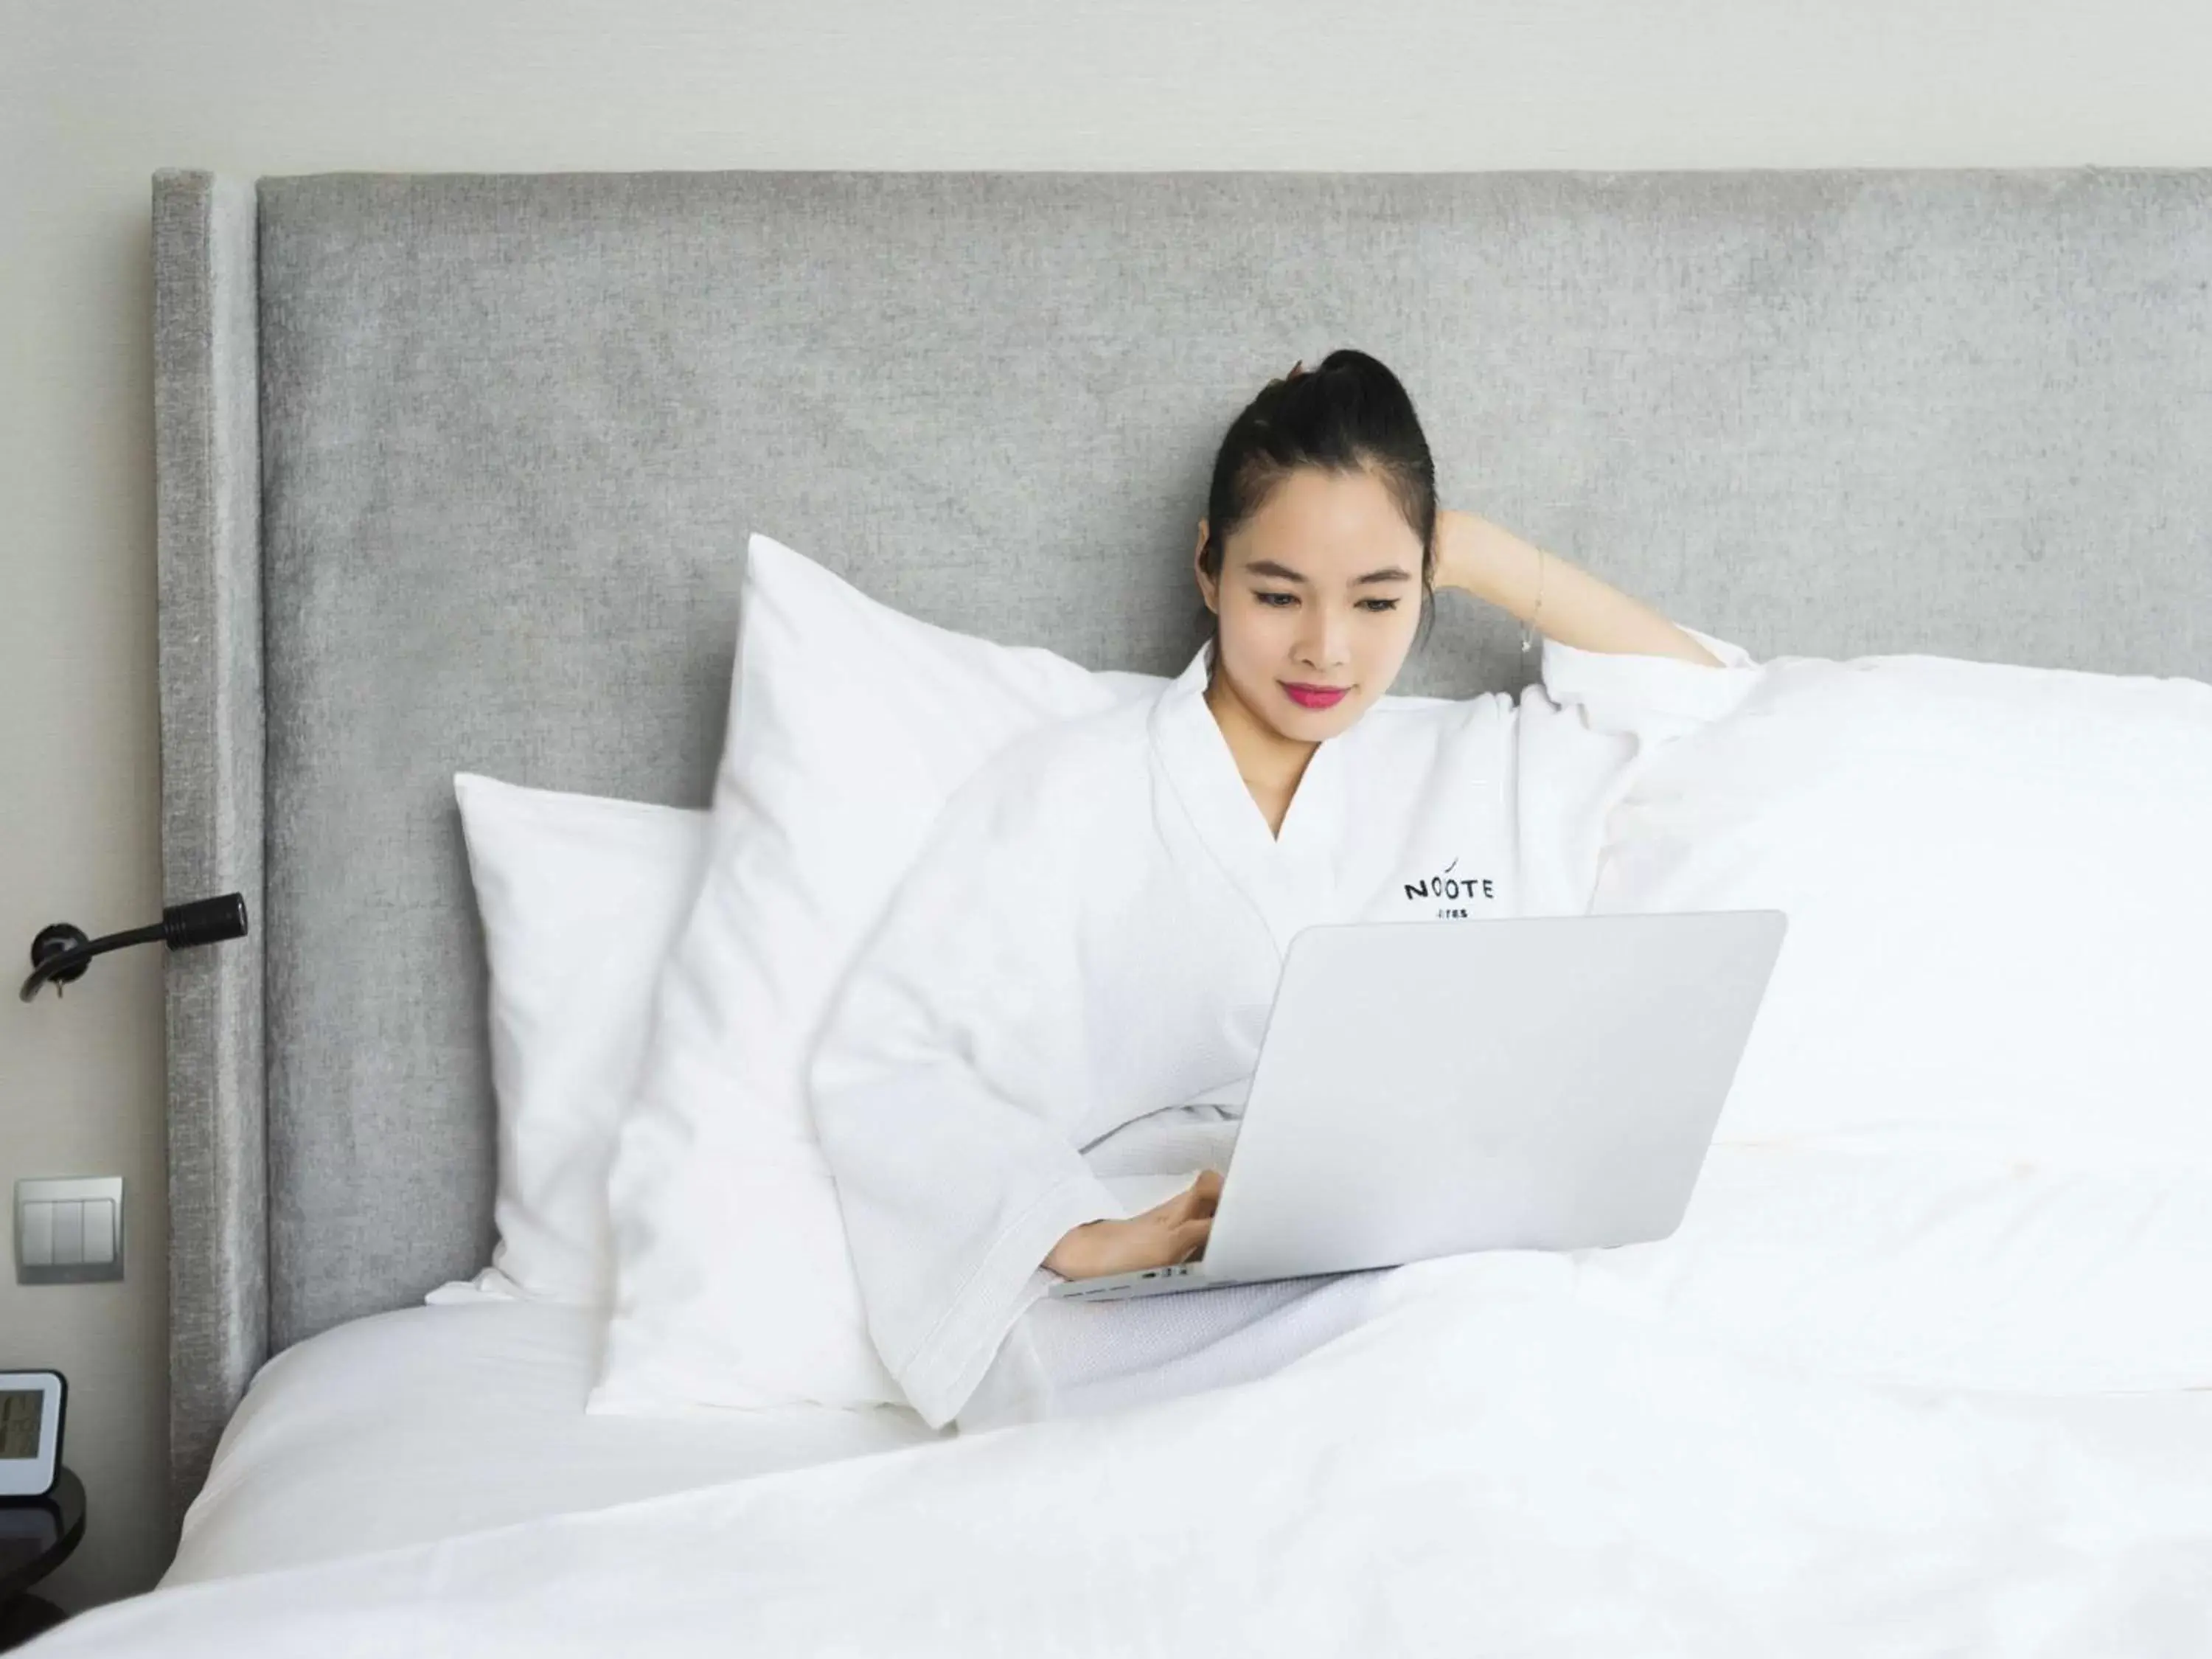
[(1054, 1025)]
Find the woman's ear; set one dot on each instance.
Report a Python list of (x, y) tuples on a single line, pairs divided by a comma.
[(1205, 583)]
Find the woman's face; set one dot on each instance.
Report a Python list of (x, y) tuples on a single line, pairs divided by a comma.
[(1319, 596)]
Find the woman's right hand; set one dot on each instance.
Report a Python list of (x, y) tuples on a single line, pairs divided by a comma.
[(1162, 1236)]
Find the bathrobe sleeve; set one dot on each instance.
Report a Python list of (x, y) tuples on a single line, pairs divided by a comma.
[(1585, 734), (947, 1081)]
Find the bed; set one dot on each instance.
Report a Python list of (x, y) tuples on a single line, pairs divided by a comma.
[(455, 471), (424, 1423)]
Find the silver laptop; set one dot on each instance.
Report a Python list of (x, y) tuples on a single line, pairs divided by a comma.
[(1525, 1083)]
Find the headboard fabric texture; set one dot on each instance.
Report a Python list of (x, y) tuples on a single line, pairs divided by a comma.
[(456, 472)]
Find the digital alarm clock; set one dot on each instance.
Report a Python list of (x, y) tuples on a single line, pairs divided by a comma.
[(30, 1432)]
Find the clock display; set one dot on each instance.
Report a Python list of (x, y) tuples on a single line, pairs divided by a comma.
[(21, 1410)]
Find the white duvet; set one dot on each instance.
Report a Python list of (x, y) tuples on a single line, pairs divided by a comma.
[(1737, 1448)]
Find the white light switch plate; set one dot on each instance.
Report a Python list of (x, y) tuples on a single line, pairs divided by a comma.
[(68, 1232)]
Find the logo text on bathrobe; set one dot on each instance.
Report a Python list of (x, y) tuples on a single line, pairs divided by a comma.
[(1450, 888)]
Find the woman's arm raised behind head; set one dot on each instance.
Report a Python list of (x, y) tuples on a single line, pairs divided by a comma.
[(1557, 599)]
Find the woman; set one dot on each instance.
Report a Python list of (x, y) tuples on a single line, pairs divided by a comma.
[(1057, 1018)]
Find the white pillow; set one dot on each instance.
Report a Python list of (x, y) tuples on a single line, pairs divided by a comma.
[(1967, 1144), (2000, 903), (581, 897), (850, 726)]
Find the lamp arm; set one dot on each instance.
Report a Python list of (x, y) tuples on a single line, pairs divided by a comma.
[(60, 952)]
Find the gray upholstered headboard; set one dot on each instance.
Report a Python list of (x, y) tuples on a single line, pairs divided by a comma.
[(456, 472)]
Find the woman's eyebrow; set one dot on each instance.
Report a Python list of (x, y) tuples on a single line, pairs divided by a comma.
[(1284, 573)]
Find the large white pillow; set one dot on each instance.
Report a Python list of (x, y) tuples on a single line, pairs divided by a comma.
[(1999, 886), (1967, 1144), (581, 897), (850, 726)]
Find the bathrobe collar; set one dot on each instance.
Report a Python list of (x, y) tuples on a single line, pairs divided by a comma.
[(1291, 878)]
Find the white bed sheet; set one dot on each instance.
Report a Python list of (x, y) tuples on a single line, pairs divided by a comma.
[(429, 1423), (1493, 1464), (1683, 1448)]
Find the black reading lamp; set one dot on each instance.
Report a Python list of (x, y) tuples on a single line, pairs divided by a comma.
[(60, 952)]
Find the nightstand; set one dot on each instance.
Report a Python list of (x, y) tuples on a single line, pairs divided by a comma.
[(36, 1536)]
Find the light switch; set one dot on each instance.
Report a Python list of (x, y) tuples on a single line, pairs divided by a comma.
[(37, 1236), (68, 1231), (69, 1234), (98, 1232)]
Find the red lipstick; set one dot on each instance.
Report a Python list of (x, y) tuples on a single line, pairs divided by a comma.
[(1314, 697)]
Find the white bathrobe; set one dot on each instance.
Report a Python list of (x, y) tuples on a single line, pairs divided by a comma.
[(1089, 944)]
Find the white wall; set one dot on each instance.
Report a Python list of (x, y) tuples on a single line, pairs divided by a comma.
[(94, 95)]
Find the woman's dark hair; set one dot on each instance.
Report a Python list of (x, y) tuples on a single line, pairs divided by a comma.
[(1350, 414)]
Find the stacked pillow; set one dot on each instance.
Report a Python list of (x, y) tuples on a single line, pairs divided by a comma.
[(737, 1287), (1999, 896), (850, 727), (580, 898), (1968, 1141)]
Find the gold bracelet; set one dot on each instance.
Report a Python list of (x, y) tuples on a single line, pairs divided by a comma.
[(1536, 609)]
